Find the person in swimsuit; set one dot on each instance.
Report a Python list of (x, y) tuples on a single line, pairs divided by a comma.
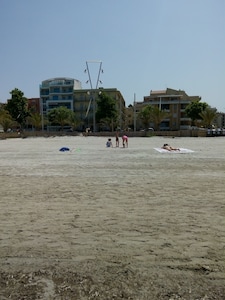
[(170, 148), (125, 141), (117, 139)]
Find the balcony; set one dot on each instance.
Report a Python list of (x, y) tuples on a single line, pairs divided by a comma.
[(56, 83), (60, 82), (185, 127), (185, 119), (58, 91), (60, 98)]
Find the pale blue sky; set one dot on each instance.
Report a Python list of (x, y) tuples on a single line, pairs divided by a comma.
[(143, 45)]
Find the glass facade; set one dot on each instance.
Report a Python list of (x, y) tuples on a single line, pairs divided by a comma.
[(57, 92)]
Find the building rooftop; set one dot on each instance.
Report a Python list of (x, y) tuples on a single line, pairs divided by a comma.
[(157, 92)]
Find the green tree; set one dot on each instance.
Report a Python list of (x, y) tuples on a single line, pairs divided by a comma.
[(73, 120), (158, 116), (17, 107), (194, 109), (35, 119), (208, 115), (60, 116), (107, 112), (145, 115), (6, 120)]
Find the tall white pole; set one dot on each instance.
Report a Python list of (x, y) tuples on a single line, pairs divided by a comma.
[(93, 93)]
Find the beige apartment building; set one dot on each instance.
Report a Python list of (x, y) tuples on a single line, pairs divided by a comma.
[(84, 101), (172, 101)]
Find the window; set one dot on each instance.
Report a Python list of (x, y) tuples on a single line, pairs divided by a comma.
[(165, 106)]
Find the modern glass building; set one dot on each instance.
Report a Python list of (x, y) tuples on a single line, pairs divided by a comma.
[(57, 92)]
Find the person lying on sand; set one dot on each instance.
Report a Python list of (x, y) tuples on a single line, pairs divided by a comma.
[(169, 148)]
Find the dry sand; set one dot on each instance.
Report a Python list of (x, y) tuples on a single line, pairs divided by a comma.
[(112, 223)]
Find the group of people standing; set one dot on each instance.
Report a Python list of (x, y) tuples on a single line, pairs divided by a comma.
[(124, 141)]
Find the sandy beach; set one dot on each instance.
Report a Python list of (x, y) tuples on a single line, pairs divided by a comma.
[(112, 223)]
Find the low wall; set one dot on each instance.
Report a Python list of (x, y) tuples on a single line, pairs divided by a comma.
[(7, 135), (178, 133)]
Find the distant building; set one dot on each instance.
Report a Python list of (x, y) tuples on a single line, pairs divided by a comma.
[(84, 104), (130, 118), (34, 105), (172, 101), (57, 92), (63, 91), (220, 120)]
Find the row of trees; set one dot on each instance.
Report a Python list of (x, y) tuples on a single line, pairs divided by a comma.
[(16, 114), (199, 112), (152, 114)]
